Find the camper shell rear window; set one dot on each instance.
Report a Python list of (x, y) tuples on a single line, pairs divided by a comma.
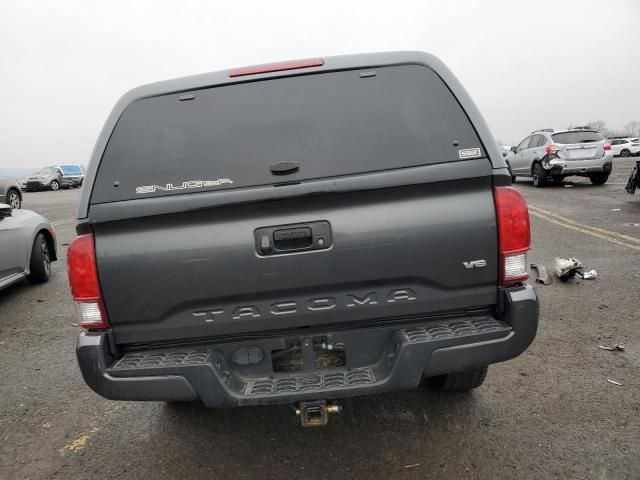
[(323, 125)]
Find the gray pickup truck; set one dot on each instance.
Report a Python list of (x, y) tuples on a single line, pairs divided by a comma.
[(299, 233)]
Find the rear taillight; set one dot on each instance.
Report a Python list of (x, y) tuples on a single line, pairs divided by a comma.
[(551, 148), (514, 234), (85, 286), (607, 146), (276, 67)]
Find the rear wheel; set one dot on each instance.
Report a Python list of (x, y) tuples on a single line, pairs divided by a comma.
[(459, 381), (13, 198), (625, 153), (539, 175), (40, 264), (599, 178), (54, 185)]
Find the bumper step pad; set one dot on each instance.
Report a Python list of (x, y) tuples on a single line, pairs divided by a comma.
[(161, 359), (453, 329), (311, 382)]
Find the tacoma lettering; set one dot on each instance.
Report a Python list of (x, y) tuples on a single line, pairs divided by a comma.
[(316, 304)]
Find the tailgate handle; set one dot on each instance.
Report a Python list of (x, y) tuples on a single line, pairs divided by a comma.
[(289, 238), (293, 238)]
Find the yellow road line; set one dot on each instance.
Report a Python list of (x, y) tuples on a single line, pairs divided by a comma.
[(83, 439), (604, 231), (603, 234), (79, 442), (65, 220)]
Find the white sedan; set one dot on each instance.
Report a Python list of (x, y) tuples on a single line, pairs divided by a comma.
[(625, 147)]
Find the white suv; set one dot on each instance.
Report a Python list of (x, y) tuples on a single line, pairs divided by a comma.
[(548, 155), (625, 147)]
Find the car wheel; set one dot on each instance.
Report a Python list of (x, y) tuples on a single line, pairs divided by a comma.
[(40, 264), (458, 381), (625, 153), (13, 198), (539, 175), (599, 178), (54, 185)]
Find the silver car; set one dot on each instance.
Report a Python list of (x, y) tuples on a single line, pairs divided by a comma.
[(10, 192), (49, 178), (27, 246), (548, 155)]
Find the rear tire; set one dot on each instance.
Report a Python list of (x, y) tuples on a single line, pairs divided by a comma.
[(13, 198), (459, 381), (599, 178), (625, 153), (539, 175), (40, 263), (54, 185)]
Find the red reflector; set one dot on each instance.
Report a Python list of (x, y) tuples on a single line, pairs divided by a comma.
[(83, 273), (514, 232), (276, 67), (607, 146)]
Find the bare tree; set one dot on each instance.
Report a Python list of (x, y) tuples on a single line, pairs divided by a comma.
[(597, 125), (632, 128)]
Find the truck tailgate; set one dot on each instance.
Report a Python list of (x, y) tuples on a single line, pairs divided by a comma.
[(393, 253)]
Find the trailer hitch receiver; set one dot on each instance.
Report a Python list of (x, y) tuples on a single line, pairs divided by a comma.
[(316, 413)]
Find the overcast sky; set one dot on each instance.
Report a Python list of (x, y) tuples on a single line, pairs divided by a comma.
[(527, 65)]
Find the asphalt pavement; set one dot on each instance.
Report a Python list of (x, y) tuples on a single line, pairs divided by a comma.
[(550, 413)]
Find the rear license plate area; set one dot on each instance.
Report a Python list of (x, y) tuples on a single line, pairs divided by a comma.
[(308, 353), (582, 153)]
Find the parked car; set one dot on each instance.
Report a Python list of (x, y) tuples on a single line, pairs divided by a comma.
[(55, 177), (49, 178), (359, 237), (625, 147), (27, 246), (72, 175), (10, 192), (548, 155)]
